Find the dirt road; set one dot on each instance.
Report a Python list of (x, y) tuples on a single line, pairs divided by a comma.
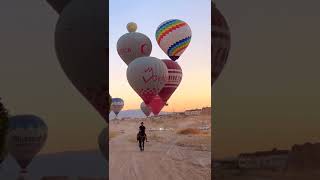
[(162, 158)]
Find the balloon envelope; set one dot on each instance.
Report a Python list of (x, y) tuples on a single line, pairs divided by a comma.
[(145, 109), (147, 76), (81, 48), (173, 80), (27, 135), (173, 37), (156, 105), (103, 142), (133, 45), (221, 43), (117, 105)]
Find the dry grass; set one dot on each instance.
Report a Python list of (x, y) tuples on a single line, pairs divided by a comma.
[(113, 134), (154, 137), (189, 131), (196, 143)]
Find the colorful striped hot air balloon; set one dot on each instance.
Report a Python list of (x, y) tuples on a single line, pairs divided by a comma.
[(173, 80), (173, 37), (220, 47)]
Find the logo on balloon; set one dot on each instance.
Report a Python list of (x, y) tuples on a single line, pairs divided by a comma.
[(150, 76), (124, 50), (144, 49)]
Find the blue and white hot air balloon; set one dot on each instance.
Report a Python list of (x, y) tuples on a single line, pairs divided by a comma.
[(117, 105), (26, 137)]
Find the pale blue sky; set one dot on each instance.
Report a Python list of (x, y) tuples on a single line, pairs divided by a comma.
[(195, 61)]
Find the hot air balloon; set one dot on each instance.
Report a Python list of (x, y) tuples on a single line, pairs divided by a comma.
[(117, 105), (145, 109), (27, 135), (173, 80), (81, 47), (156, 105), (220, 47), (147, 76), (103, 142), (133, 45), (173, 37)]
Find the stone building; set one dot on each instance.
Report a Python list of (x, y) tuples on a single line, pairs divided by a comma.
[(273, 160), (304, 157), (193, 112)]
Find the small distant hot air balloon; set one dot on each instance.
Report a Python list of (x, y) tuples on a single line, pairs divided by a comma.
[(173, 80), (27, 135), (147, 76), (221, 43), (133, 44), (173, 37), (156, 105), (145, 109), (103, 142), (117, 105)]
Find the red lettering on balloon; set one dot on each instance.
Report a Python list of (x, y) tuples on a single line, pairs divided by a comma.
[(149, 76)]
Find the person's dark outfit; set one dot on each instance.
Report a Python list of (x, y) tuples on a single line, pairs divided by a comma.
[(142, 129), (142, 134)]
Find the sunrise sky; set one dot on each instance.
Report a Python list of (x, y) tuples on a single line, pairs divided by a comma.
[(195, 89)]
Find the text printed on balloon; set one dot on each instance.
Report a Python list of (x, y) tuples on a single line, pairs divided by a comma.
[(150, 76)]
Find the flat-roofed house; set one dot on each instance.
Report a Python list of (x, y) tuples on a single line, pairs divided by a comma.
[(274, 160)]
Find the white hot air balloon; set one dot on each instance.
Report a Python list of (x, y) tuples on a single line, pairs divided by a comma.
[(145, 109), (103, 142), (26, 137), (133, 45), (147, 76), (117, 105)]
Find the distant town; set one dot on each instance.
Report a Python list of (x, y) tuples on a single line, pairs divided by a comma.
[(305, 157), (191, 112)]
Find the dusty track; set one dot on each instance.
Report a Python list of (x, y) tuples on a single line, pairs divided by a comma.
[(162, 159)]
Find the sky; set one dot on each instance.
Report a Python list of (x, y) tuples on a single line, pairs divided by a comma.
[(268, 94), (195, 88), (32, 81)]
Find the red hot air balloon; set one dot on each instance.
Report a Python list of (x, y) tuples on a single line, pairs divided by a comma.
[(220, 47), (81, 48), (156, 105), (173, 80)]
